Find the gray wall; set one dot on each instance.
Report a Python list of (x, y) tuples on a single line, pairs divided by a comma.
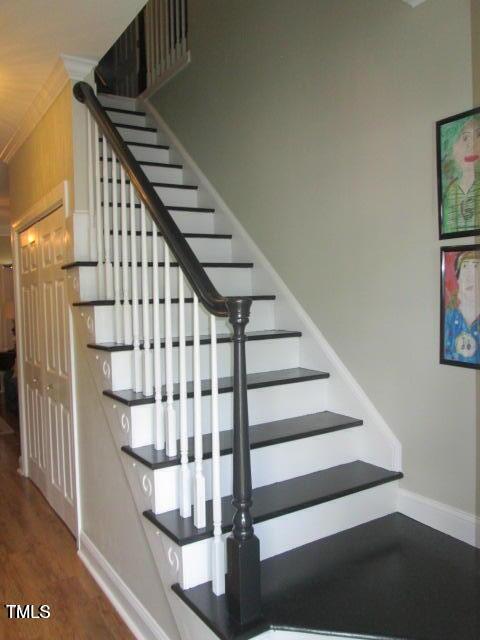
[(315, 119)]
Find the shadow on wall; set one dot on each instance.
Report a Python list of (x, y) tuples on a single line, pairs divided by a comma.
[(5, 250)]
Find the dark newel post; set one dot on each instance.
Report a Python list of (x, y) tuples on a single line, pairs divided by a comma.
[(243, 547)]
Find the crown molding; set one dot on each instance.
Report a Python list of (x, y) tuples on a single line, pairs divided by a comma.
[(66, 68)]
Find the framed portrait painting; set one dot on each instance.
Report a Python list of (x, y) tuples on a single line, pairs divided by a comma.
[(458, 174), (460, 306)]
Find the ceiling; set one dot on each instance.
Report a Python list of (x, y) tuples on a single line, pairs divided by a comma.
[(33, 33)]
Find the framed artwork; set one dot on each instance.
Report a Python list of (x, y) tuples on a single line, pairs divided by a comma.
[(460, 306), (458, 174)]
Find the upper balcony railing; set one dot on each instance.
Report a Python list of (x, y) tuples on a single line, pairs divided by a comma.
[(150, 50)]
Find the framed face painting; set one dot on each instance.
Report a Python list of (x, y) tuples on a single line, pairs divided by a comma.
[(460, 306), (458, 174)]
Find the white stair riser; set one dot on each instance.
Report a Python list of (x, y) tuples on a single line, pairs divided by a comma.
[(186, 221), (150, 154), (264, 405), (262, 355), (170, 196), (230, 281), (119, 102), (286, 532), (169, 175), (206, 249), (139, 135), (163, 174), (100, 320), (128, 118), (274, 463)]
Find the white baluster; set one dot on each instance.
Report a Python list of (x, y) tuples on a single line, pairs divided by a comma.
[(92, 240), (171, 419), (199, 515), (127, 309), (177, 28), (161, 38), (171, 9), (166, 25), (184, 26), (137, 356), (147, 352), (218, 553), (99, 216), (106, 222), (116, 257), (185, 480), (154, 36), (157, 347)]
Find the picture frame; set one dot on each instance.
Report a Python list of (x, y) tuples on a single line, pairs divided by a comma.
[(460, 306), (458, 174)]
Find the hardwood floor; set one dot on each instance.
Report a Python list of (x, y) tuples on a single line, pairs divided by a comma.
[(39, 565)]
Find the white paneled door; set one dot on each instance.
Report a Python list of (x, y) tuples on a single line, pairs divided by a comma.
[(47, 368)]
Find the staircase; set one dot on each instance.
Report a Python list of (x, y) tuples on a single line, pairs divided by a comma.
[(169, 368)]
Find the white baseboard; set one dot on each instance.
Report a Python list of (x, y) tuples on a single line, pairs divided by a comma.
[(140, 622), (456, 523)]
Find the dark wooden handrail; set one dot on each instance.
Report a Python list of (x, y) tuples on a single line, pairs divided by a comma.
[(243, 550), (192, 268)]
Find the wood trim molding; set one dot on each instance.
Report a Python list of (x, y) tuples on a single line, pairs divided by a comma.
[(55, 198), (66, 68), (140, 621), (454, 522)]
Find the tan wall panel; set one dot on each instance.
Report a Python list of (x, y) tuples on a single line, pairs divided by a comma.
[(45, 158)]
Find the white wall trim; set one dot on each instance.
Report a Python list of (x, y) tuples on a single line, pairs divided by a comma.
[(140, 622), (260, 258), (454, 522), (66, 68)]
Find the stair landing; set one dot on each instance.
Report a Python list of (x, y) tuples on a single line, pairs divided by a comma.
[(390, 579)]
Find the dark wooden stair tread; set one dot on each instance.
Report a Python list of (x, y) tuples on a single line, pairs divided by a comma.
[(110, 303), (138, 127), (281, 498), (174, 208), (388, 579), (166, 185), (225, 385), (127, 111), (149, 145), (149, 163), (261, 435), (208, 236), (174, 265), (267, 334)]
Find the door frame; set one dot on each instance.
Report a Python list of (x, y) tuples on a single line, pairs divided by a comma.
[(58, 197)]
